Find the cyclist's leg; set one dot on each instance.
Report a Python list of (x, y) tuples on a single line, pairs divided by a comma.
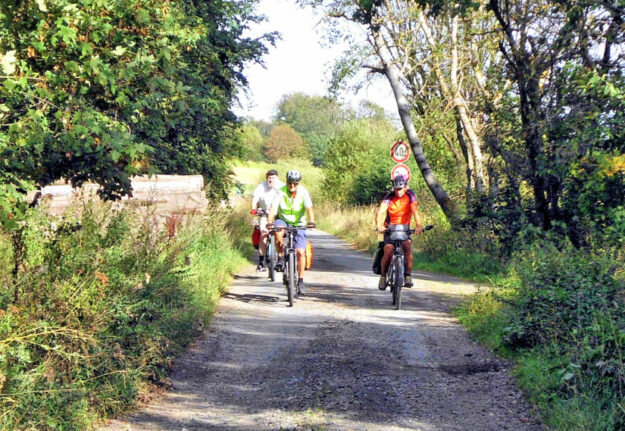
[(300, 245), (407, 247), (280, 236), (386, 259), (262, 244)]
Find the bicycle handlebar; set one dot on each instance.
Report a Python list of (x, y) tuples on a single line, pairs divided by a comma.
[(427, 227), (291, 228)]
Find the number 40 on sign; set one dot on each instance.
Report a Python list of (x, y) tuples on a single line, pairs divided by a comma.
[(400, 152)]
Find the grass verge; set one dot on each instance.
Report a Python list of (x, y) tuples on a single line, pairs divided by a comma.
[(100, 307)]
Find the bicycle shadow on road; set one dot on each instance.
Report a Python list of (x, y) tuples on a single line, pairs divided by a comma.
[(247, 297)]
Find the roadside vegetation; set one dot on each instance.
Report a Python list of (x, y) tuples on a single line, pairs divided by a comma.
[(100, 306), (518, 159)]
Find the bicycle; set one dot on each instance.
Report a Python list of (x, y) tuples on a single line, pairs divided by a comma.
[(271, 253), (395, 273), (290, 270)]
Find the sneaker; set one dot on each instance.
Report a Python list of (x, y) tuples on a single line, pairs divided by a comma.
[(301, 288), (382, 282), (408, 281), (260, 267)]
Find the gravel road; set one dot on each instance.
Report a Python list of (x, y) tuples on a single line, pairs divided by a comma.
[(341, 359)]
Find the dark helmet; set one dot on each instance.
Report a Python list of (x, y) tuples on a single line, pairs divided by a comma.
[(271, 172), (293, 176), (399, 182)]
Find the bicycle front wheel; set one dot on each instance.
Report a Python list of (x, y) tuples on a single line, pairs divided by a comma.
[(398, 277), (390, 275), (270, 256), (291, 280)]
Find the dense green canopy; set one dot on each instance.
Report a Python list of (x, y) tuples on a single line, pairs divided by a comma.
[(97, 90)]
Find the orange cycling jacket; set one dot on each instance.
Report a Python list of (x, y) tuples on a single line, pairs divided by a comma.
[(399, 211)]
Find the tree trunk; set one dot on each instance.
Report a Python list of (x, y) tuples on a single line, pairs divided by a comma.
[(451, 91), (465, 153), (530, 118), (403, 108)]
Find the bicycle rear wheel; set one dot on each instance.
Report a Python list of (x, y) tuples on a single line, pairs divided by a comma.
[(291, 278)]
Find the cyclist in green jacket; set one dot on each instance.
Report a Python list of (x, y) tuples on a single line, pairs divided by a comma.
[(291, 207)]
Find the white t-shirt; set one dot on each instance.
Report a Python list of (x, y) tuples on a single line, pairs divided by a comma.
[(265, 195)]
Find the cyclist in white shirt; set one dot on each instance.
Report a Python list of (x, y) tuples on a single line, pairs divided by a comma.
[(263, 196)]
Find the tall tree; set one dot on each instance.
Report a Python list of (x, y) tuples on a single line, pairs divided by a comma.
[(316, 119), (88, 87), (284, 143), (563, 58), (376, 17)]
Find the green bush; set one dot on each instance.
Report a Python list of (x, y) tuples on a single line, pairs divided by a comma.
[(358, 162), (98, 310), (560, 314), (562, 291)]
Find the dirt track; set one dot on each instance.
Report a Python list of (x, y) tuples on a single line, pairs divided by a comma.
[(341, 359)]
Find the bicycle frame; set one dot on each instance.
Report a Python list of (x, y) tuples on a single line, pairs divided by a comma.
[(291, 271), (395, 271)]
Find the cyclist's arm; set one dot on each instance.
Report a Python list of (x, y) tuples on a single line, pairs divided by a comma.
[(272, 213), (381, 216), (255, 197), (310, 214), (417, 218)]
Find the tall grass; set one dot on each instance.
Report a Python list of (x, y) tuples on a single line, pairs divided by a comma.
[(101, 305)]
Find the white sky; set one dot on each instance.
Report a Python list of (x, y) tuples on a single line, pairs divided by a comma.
[(298, 63)]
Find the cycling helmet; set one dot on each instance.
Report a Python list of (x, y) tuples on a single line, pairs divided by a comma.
[(293, 176), (399, 182)]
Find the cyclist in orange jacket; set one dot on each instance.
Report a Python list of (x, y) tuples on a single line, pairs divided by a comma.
[(398, 207)]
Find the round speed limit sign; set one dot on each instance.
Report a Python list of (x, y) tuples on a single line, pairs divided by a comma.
[(400, 152), (402, 170)]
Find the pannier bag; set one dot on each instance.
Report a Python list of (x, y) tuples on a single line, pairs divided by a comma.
[(256, 237), (377, 259), (309, 255)]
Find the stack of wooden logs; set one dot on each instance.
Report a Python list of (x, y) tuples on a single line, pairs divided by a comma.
[(164, 195)]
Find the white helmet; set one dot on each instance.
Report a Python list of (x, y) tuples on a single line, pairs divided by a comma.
[(293, 176)]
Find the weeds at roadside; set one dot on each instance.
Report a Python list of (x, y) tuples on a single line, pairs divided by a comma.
[(106, 300), (560, 318)]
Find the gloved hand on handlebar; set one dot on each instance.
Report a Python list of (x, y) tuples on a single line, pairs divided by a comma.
[(270, 225), (311, 225), (253, 211)]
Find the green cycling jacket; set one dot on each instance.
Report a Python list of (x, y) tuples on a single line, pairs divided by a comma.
[(291, 210)]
